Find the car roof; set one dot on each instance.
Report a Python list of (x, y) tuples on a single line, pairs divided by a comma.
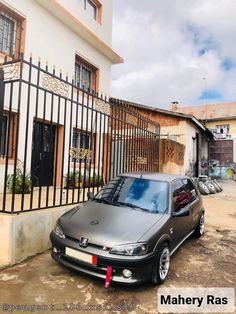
[(153, 176)]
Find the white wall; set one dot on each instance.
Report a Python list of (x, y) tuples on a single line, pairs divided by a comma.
[(17, 242), (190, 132), (51, 40), (103, 30)]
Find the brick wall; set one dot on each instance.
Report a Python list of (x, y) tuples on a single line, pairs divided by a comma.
[(171, 157)]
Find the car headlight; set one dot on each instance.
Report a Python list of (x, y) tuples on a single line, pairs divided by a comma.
[(59, 232), (135, 249)]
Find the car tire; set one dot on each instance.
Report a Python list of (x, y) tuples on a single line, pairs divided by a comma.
[(196, 180), (203, 188), (219, 186), (203, 178), (199, 231), (211, 187), (218, 189), (161, 264)]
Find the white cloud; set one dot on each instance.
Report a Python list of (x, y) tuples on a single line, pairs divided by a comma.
[(169, 46)]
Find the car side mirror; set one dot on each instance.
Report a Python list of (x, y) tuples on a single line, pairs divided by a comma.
[(181, 213), (90, 195)]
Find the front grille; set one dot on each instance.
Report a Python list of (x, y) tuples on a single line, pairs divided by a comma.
[(99, 247)]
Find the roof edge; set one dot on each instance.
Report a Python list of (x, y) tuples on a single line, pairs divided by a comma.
[(163, 111), (219, 118), (204, 108)]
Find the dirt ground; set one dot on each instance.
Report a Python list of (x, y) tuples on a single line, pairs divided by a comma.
[(209, 262)]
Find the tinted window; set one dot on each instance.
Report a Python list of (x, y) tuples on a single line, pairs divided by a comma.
[(143, 194), (180, 195), (190, 189)]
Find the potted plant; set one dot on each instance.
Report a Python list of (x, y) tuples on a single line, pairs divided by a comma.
[(19, 184), (72, 180), (95, 181)]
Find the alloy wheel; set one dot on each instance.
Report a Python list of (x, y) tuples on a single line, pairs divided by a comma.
[(164, 263), (202, 224)]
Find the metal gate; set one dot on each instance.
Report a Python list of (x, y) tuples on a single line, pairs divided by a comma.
[(222, 151), (59, 141), (221, 159)]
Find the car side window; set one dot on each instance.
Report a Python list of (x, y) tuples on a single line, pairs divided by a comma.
[(180, 195), (190, 189)]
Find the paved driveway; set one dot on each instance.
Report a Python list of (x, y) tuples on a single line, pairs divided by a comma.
[(209, 261)]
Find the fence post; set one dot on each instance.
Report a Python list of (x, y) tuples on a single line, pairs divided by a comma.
[(1, 101)]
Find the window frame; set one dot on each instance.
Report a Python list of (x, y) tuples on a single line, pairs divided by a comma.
[(12, 136), (224, 126), (90, 146), (96, 4), (82, 133), (83, 65), (18, 33), (10, 36), (93, 6)]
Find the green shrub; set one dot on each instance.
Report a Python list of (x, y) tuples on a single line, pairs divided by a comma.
[(19, 188), (72, 179)]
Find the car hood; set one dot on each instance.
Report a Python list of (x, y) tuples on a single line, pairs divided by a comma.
[(107, 225)]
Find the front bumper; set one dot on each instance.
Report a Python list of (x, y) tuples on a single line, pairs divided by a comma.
[(141, 266)]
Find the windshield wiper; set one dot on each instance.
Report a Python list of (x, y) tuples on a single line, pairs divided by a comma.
[(102, 200), (131, 205)]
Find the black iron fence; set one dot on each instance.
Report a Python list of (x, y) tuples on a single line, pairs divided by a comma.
[(58, 141)]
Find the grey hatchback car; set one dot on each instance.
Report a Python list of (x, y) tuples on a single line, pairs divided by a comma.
[(127, 232)]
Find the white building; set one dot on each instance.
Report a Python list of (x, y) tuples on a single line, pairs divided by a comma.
[(62, 32), (44, 114), (72, 37)]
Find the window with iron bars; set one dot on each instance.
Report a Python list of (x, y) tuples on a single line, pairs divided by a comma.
[(11, 30), (7, 135), (81, 140), (85, 75), (7, 42)]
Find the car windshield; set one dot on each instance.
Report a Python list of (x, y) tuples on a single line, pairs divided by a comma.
[(136, 193)]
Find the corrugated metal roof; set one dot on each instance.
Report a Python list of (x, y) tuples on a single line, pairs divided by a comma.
[(210, 111)]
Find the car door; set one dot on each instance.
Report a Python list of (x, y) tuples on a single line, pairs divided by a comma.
[(194, 201), (182, 225)]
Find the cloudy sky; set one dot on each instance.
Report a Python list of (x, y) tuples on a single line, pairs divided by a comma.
[(175, 50)]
